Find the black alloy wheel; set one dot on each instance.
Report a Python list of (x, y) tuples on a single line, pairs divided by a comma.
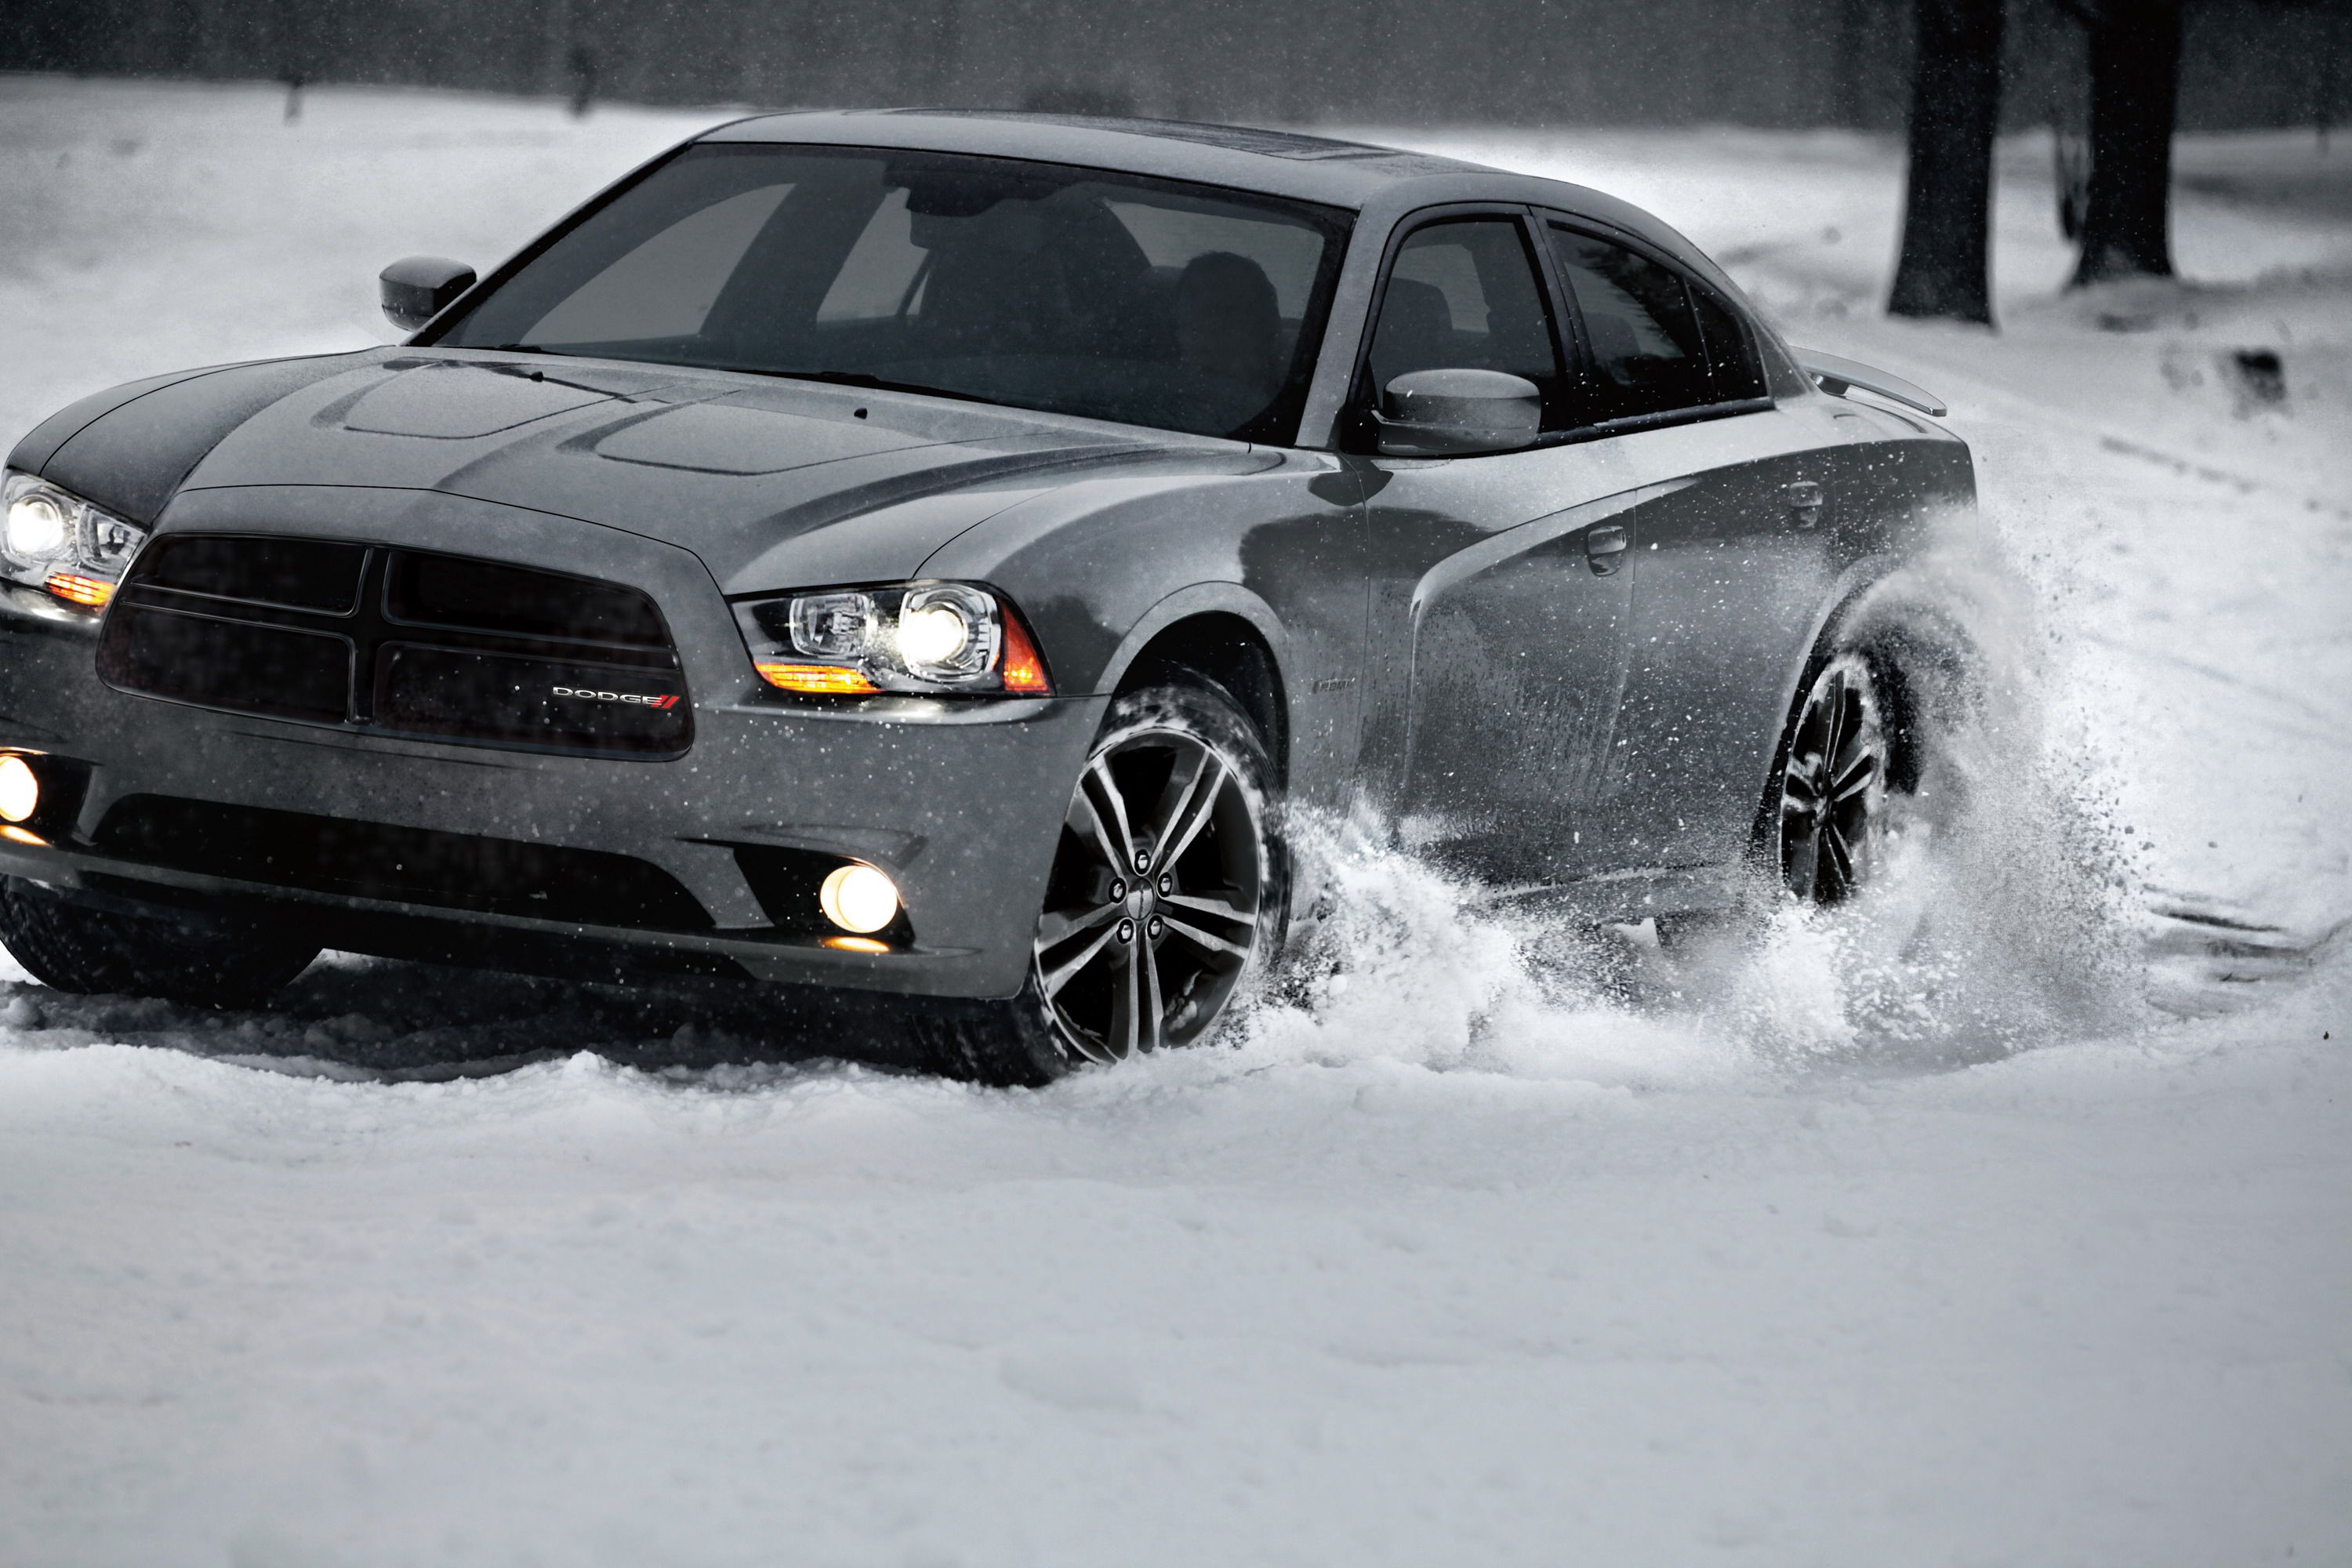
[(1154, 910), (1834, 785), (1169, 888)]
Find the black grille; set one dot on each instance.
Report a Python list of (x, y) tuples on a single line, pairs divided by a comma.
[(401, 642), (403, 865)]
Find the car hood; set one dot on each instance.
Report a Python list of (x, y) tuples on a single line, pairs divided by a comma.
[(770, 482)]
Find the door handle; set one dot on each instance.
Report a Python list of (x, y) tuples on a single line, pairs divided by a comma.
[(1805, 498), (1604, 545)]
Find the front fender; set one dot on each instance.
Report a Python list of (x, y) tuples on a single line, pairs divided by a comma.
[(128, 448), (1274, 539)]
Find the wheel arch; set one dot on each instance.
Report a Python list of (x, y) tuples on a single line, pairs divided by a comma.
[(1231, 639), (1907, 637)]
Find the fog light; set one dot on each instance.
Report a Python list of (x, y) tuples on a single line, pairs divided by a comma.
[(20, 794), (858, 899)]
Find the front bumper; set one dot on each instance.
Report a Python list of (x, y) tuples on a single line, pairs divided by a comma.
[(961, 802)]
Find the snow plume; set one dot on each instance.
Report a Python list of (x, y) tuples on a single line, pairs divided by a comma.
[(2006, 910), (2002, 915), (1397, 960)]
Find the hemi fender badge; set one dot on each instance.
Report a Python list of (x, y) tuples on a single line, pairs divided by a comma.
[(642, 701)]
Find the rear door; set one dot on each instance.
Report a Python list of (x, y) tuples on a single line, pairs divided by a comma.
[(1500, 598), (1736, 553)]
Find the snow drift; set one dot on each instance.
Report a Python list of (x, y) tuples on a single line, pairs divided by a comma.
[(2001, 1218)]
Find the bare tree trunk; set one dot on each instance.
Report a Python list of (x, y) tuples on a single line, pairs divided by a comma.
[(555, 46), (2135, 89), (1852, 34), (1946, 264)]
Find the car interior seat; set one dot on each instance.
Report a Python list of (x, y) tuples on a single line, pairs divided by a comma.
[(1416, 332), (1229, 323)]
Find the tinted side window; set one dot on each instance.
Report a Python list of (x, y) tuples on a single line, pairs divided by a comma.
[(1464, 294), (1731, 361), (1648, 356)]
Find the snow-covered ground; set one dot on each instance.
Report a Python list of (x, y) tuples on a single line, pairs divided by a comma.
[(2032, 1247)]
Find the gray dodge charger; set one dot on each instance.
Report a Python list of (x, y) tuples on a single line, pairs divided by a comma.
[(933, 555)]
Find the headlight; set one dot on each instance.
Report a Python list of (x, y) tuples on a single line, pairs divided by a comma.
[(54, 540), (915, 636)]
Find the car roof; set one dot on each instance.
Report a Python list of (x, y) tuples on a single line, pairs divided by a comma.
[(1381, 183), (1279, 163)]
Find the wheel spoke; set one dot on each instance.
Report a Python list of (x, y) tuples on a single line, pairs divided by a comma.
[(1841, 858), (1057, 926), (1804, 863), (1127, 1005), (1176, 796), (1858, 774), (1061, 973), (1099, 772), (1200, 938), (1833, 711), (1154, 1007), (1086, 820), (1199, 804), (1213, 902)]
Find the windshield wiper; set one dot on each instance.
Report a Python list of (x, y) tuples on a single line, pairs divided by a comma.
[(829, 377), (873, 384)]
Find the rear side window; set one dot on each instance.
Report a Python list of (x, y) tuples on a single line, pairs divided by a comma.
[(1647, 355), (1658, 344), (1464, 294), (1731, 363)]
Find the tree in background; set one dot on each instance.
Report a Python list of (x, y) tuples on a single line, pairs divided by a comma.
[(1945, 264), (2135, 92)]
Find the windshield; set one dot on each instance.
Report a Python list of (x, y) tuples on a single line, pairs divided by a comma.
[(1074, 290)]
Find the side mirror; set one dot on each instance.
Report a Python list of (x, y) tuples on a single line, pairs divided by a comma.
[(419, 288), (1448, 412)]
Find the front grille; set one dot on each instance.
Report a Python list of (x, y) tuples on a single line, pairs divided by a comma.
[(402, 865), (397, 642)]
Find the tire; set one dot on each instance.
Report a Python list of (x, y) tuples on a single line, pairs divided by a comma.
[(1893, 684), (1801, 852), (206, 959), (1133, 955), (1837, 764)]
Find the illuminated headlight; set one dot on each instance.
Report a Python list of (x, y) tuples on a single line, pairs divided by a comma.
[(37, 526), (54, 541), (947, 633), (920, 636)]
